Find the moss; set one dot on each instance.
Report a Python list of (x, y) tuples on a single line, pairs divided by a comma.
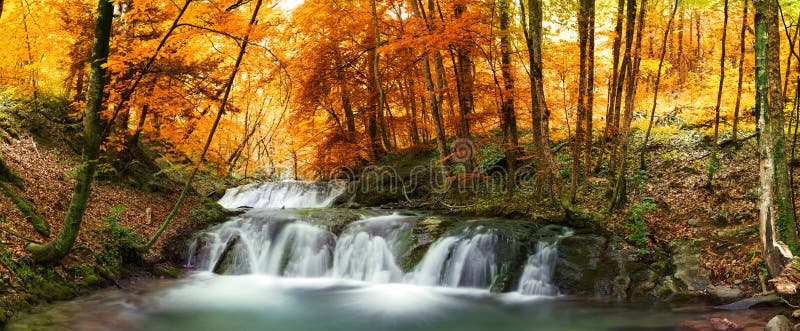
[(211, 212), (39, 224), (165, 271)]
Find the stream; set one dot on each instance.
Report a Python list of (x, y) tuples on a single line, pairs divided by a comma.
[(290, 262)]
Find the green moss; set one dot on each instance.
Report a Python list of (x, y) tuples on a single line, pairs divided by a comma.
[(39, 224), (211, 212)]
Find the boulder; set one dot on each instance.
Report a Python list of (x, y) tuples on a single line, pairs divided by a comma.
[(686, 262), (779, 323), (724, 294), (582, 267)]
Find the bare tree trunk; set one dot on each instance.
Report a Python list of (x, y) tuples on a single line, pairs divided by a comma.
[(612, 127), (56, 249), (434, 96), (508, 112), (620, 186), (547, 172), (643, 153), (721, 72), (742, 36)]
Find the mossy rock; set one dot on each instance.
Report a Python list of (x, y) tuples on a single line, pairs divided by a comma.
[(583, 267)]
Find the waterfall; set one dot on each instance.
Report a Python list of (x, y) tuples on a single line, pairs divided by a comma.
[(459, 261), (276, 247), (288, 243), (261, 243), (367, 250), (536, 277), (284, 194)]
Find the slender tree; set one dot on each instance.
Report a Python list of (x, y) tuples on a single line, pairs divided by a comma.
[(434, 96), (56, 249), (721, 71), (643, 152), (620, 183), (223, 103), (508, 113), (742, 36)]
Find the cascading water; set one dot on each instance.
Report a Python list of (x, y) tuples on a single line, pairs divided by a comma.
[(259, 242), (459, 261), (537, 275), (293, 244), (285, 194), (281, 247), (367, 250)]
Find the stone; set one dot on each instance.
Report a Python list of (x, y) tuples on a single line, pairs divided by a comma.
[(694, 222), (796, 313), (779, 323), (724, 294), (722, 324), (581, 268), (685, 258), (749, 302)]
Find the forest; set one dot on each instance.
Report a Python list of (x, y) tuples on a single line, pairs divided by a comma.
[(631, 150)]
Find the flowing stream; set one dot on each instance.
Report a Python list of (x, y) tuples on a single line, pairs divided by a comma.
[(280, 267)]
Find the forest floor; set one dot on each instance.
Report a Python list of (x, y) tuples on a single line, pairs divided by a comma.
[(670, 200), (114, 210)]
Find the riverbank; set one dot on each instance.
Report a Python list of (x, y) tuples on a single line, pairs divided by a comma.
[(116, 211)]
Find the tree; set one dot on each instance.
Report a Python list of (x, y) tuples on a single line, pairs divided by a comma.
[(56, 249), (228, 86), (742, 35), (656, 87), (777, 228), (631, 81), (508, 120), (721, 73)]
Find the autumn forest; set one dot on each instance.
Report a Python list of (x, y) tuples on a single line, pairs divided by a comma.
[(660, 131)]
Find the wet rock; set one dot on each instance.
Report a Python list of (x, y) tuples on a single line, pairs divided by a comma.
[(750, 302), (779, 323), (234, 260), (582, 267), (685, 259), (724, 294), (621, 285), (722, 324)]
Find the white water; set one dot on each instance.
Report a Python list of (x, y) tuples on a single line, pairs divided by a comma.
[(457, 261), (278, 243), (260, 243), (367, 249), (538, 272), (284, 194)]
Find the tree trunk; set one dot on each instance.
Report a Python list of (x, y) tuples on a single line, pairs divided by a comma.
[(55, 250), (508, 112), (741, 73), (349, 118), (782, 192), (589, 104), (465, 82), (643, 153), (434, 96), (774, 235), (619, 195), (721, 72), (547, 173), (612, 127)]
